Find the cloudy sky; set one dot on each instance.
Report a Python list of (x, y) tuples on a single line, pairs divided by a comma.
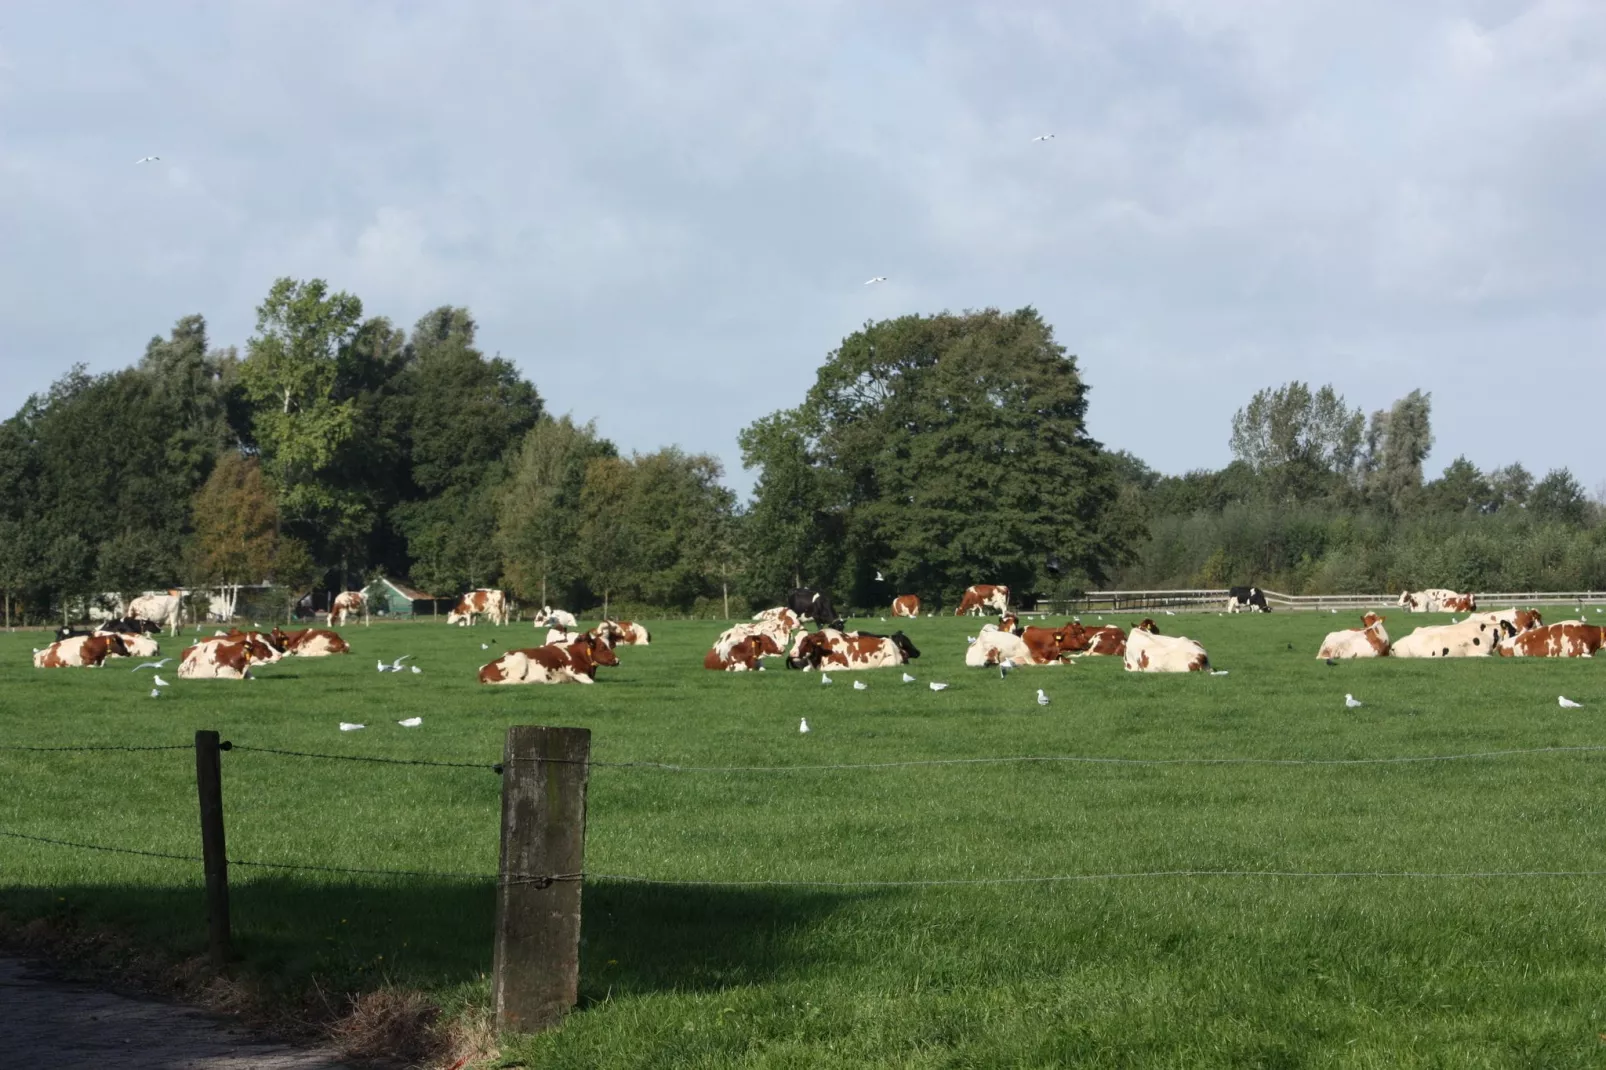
[(665, 212)]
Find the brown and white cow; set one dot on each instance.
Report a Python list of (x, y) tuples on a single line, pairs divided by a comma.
[(781, 613), (1438, 600), (628, 632), (1370, 640), (309, 643), (1149, 651), (346, 603), (1032, 646), (1520, 619), (906, 605), (481, 602), (138, 644), (165, 608), (575, 663), (1104, 641), (80, 652), (981, 598), (742, 655), (831, 649), (1473, 638), (1564, 639), (225, 657)]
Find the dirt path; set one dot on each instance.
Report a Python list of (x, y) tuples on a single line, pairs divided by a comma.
[(45, 1021)]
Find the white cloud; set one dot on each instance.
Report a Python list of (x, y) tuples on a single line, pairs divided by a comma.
[(666, 213)]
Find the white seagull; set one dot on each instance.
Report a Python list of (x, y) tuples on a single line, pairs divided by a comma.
[(155, 693), (1169, 613), (1004, 667), (1042, 699), (1218, 672), (485, 646), (150, 665), (1043, 137), (969, 639), (411, 722), (159, 682), (878, 278), (860, 685), (908, 679), (878, 577), (803, 724), (415, 668), (1352, 702), (935, 686), (1568, 704), (825, 679), (147, 159), (347, 726)]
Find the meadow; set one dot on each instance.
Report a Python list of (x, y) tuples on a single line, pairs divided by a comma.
[(1118, 971)]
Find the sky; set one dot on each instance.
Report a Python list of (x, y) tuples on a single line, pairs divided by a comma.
[(665, 213)]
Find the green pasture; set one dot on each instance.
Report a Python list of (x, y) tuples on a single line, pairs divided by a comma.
[(1168, 971)]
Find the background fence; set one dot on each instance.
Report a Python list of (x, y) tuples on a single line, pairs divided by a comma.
[(1216, 598)]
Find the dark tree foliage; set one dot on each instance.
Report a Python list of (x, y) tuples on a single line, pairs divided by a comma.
[(950, 450)]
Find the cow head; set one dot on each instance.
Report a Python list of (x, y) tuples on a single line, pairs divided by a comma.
[(810, 651), (609, 632), (597, 651), (1371, 619), (905, 647), (115, 647), (1010, 623), (1407, 600), (1147, 625)]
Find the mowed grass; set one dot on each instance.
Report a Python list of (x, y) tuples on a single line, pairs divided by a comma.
[(1179, 971)]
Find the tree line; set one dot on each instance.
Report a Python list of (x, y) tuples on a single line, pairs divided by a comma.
[(931, 452)]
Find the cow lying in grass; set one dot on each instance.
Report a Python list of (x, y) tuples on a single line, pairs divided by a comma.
[(80, 652), (1474, 638), (741, 653), (1149, 651), (310, 642), (1370, 640), (575, 663), (227, 657), (832, 649), (1564, 639)]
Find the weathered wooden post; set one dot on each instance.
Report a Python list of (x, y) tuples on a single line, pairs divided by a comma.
[(209, 785), (536, 959)]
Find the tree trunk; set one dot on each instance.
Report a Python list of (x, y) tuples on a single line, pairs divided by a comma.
[(544, 602), (725, 588), (604, 605)]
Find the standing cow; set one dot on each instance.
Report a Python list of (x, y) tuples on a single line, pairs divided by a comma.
[(814, 605), (983, 598), (162, 608), (906, 605), (481, 602), (1438, 600), (346, 603), (1246, 600)]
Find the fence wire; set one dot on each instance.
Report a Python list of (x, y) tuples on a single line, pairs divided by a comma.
[(545, 879)]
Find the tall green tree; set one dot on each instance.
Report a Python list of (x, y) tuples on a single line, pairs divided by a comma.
[(953, 450), (1398, 441), (1298, 441), (539, 509), (290, 373), (1559, 497)]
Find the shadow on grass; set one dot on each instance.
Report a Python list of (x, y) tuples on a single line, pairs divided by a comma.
[(436, 935)]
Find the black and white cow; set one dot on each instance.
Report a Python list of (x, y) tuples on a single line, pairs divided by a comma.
[(814, 605), (130, 626), (1247, 599)]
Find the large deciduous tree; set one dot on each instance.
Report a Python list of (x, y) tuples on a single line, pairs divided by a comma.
[(952, 450), (1300, 443), (538, 509)]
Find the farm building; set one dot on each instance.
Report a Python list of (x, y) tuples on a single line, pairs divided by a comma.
[(392, 598)]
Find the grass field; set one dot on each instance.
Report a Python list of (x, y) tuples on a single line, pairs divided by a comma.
[(1260, 971)]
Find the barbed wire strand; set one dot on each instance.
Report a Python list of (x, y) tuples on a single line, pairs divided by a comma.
[(493, 767), (1084, 759), (95, 747), (544, 879)]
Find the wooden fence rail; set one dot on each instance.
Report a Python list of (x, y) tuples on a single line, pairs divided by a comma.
[(1216, 598)]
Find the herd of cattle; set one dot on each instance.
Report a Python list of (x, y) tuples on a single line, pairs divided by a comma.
[(570, 655)]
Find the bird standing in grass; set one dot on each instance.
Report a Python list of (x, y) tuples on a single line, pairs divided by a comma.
[(1568, 704), (935, 686), (1352, 702), (1042, 699), (908, 679), (860, 685), (159, 682), (824, 679), (803, 725)]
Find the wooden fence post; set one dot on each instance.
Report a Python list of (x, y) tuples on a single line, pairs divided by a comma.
[(536, 959), (209, 785)]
